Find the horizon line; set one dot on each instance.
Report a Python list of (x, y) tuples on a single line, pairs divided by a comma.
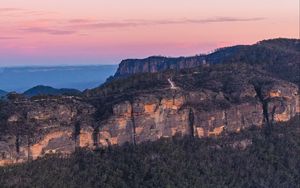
[(55, 65)]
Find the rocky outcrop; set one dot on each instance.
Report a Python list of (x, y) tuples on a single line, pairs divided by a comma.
[(146, 118), (156, 64), (280, 101), (42, 126), (242, 144)]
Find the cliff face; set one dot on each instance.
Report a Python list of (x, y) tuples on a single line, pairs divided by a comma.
[(154, 118), (200, 102), (156, 64), (150, 117), (37, 127)]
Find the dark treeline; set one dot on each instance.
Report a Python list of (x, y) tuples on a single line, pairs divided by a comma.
[(270, 160)]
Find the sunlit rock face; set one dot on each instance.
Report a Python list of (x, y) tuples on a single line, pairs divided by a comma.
[(282, 101), (145, 118), (45, 126), (150, 117), (54, 142), (232, 119), (86, 138)]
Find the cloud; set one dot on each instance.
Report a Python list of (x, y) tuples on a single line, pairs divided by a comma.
[(72, 26), (109, 25), (88, 24), (224, 19), (18, 12), (48, 31), (200, 21), (10, 9), (10, 38), (79, 21)]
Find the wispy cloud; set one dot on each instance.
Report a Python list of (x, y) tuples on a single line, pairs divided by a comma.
[(79, 20), (9, 9), (84, 23), (224, 19), (18, 12), (48, 31), (10, 38)]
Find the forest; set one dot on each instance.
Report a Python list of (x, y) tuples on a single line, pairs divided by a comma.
[(251, 158)]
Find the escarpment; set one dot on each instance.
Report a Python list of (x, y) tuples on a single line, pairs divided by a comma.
[(156, 64), (198, 102), (281, 57)]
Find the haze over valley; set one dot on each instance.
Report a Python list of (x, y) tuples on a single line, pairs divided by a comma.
[(20, 79)]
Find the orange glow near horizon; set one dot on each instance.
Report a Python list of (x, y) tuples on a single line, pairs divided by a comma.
[(98, 31)]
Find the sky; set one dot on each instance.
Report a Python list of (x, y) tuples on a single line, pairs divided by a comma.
[(65, 32)]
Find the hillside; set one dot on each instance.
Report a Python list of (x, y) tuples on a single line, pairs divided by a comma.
[(198, 102), (47, 90), (281, 57), (248, 159)]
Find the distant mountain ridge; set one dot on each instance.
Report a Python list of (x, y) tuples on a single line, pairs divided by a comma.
[(278, 56), (20, 79), (47, 90), (2, 93)]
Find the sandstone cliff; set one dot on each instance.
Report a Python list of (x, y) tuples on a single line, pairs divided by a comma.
[(200, 102), (207, 110), (157, 63), (36, 127)]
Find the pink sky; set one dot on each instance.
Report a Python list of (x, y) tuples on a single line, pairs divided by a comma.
[(104, 32)]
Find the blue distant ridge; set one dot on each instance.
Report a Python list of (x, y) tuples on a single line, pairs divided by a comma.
[(20, 79)]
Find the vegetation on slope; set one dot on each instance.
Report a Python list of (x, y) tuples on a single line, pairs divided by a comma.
[(270, 161), (280, 56)]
